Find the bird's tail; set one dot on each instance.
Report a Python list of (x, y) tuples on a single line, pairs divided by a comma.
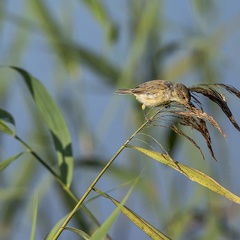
[(124, 91)]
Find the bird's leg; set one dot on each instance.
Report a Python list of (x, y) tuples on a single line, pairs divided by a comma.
[(145, 115), (143, 108)]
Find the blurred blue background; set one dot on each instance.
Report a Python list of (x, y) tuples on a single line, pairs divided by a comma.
[(82, 51)]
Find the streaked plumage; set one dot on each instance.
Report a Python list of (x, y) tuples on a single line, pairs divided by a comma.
[(159, 92)]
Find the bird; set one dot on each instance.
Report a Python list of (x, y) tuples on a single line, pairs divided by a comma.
[(155, 93)]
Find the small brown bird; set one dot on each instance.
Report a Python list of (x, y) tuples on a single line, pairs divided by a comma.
[(159, 92)]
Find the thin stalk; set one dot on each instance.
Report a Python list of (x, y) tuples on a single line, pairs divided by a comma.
[(58, 233), (41, 161), (70, 193)]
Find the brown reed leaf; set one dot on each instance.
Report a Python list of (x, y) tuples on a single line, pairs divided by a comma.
[(199, 125), (181, 133), (208, 91), (203, 129), (189, 115), (229, 88), (192, 111)]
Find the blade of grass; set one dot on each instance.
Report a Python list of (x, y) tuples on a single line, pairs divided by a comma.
[(6, 162), (55, 122), (191, 173)]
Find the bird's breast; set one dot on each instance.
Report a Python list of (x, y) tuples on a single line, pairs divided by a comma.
[(153, 100)]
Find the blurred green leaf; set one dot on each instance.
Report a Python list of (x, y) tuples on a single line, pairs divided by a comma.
[(6, 162), (4, 128), (144, 28), (3, 7), (11, 194), (34, 219), (97, 63), (55, 122), (205, 8), (99, 11), (53, 31), (191, 173), (6, 117), (45, 17)]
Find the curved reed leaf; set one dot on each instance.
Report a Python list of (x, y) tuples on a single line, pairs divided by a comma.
[(229, 88), (55, 122), (208, 91), (191, 173)]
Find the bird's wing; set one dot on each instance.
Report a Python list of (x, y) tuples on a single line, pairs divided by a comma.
[(152, 87)]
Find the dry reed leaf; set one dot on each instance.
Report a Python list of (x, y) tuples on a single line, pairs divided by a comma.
[(200, 126), (181, 133), (192, 111), (208, 91), (229, 88)]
